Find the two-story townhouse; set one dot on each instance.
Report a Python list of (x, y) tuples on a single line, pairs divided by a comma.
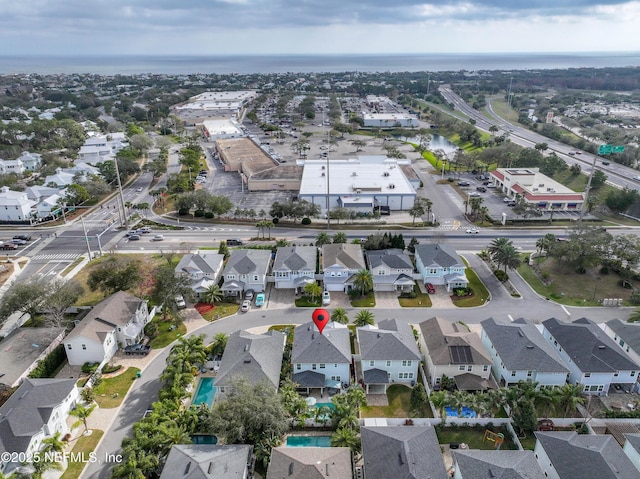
[(452, 350), (203, 269), (255, 357), (294, 267), (594, 360), (11, 166), (246, 269), (392, 270), (632, 448), (339, 263), (440, 264), (15, 206), (117, 321), (321, 361), (625, 335), (388, 354), (519, 352), (310, 463), (35, 411), (30, 161), (476, 463), (208, 461)]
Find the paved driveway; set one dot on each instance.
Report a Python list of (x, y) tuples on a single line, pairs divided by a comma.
[(387, 299)]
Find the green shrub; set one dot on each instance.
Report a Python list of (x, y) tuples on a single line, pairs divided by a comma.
[(199, 213), (275, 221), (209, 215), (47, 367), (89, 368), (501, 275), (183, 211), (306, 221), (111, 368), (151, 329)]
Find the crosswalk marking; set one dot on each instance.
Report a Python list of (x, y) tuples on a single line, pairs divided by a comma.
[(62, 256)]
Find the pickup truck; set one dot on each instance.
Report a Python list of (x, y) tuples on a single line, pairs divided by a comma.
[(137, 349)]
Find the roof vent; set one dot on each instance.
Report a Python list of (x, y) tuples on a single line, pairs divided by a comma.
[(529, 346), (520, 334), (322, 174), (186, 469), (378, 334), (246, 348), (602, 346), (355, 173), (290, 468), (386, 173), (400, 460), (247, 361), (210, 468), (322, 167)]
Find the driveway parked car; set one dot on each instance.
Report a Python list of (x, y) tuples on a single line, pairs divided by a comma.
[(180, 303), (482, 189), (246, 306), (326, 298), (430, 288), (248, 294), (260, 300)]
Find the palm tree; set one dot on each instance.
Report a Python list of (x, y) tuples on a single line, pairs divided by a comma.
[(39, 465), (339, 237), (498, 245), (509, 258), (172, 434), (550, 398), (493, 129), (570, 395), (213, 294), (323, 239), (82, 413), (264, 447), (218, 344), (268, 225), (441, 400), (53, 443), (339, 315), (313, 290), (363, 318), (363, 280), (346, 437)]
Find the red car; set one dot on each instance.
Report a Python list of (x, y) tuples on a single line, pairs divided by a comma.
[(430, 288)]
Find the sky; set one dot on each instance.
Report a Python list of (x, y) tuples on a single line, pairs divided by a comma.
[(218, 27)]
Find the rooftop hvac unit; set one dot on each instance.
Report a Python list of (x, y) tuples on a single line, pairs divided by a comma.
[(322, 174), (386, 173), (358, 192), (322, 168), (355, 173)]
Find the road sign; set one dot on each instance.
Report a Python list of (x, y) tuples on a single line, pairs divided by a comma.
[(617, 149), (604, 149)]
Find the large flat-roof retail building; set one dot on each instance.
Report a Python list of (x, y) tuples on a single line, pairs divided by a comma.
[(357, 183), (389, 120)]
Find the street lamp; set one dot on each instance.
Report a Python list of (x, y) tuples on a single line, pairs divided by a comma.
[(595, 288)]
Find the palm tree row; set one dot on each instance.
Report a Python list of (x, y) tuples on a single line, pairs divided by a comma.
[(504, 254), (324, 238)]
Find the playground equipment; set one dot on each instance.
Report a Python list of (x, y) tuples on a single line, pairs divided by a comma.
[(491, 436)]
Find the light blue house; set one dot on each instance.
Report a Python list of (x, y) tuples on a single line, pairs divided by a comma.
[(440, 264)]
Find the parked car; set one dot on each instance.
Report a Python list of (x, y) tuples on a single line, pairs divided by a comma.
[(234, 242), (134, 237), (246, 306), (506, 199), (180, 303), (463, 183), (131, 232), (474, 194), (144, 230), (260, 299), (23, 237), (158, 238), (326, 298), (137, 349), (430, 288), (482, 189), (248, 294)]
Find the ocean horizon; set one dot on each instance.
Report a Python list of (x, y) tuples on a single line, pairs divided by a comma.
[(270, 64)]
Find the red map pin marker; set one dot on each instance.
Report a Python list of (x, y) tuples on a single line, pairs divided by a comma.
[(321, 318)]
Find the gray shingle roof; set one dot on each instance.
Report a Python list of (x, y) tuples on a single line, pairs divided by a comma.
[(207, 263), (310, 463), (522, 347), (257, 357), (441, 336), (28, 409), (634, 441), (589, 347), (402, 452), (248, 261), (392, 340), (630, 332), (438, 254), (295, 258), (309, 379), (375, 376), (332, 346), (207, 461), (586, 456), (393, 258), (477, 464), (343, 254)]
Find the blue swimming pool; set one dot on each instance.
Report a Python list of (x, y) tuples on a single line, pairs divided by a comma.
[(330, 405), (465, 412), (308, 441), (205, 392)]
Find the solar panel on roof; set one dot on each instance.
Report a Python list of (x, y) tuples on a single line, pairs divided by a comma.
[(460, 354)]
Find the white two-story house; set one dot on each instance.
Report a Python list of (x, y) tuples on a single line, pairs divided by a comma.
[(519, 352), (451, 350), (294, 267), (35, 411), (246, 269), (388, 354), (625, 335), (593, 359), (392, 270), (439, 264), (15, 206), (321, 361), (340, 261), (117, 321), (203, 269)]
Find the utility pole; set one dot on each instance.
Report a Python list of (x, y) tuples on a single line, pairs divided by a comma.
[(86, 238), (586, 190), (124, 212)]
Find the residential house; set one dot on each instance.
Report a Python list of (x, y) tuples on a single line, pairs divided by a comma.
[(50, 206), (594, 360), (100, 148), (451, 349), (340, 261), (479, 464), (520, 353), (388, 354), (39, 193), (256, 357), (60, 179), (294, 267), (11, 166), (440, 264), (23, 348), (208, 461), (15, 206), (569, 455), (36, 410), (310, 463), (632, 448), (30, 161), (203, 269), (625, 335), (246, 269), (401, 452), (321, 360), (117, 321), (392, 270)]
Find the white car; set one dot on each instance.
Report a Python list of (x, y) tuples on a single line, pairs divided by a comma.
[(246, 306), (158, 238), (180, 303), (326, 298), (473, 231), (139, 190)]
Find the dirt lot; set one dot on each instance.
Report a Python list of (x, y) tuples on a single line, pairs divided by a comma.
[(6, 269)]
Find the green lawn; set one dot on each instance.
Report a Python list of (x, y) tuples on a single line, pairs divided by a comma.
[(220, 311), (399, 396), (480, 292), (167, 333), (573, 289), (83, 446), (366, 301), (111, 391), (307, 302), (473, 437), (422, 300)]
